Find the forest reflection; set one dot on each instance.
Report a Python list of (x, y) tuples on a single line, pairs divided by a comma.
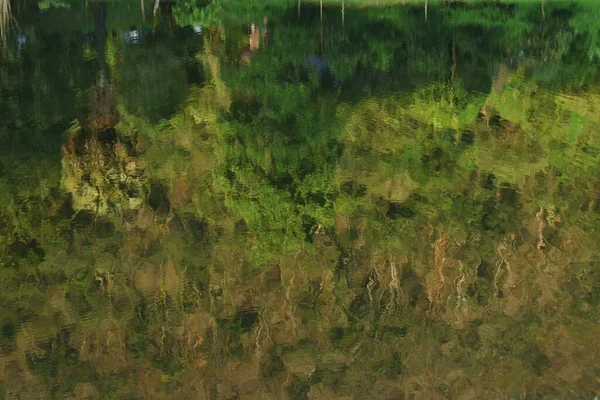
[(226, 200)]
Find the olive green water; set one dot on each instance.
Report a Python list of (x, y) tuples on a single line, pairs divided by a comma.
[(234, 200)]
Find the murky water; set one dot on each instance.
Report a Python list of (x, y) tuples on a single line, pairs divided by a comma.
[(283, 200)]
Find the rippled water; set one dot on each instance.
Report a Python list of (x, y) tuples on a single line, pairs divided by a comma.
[(297, 200)]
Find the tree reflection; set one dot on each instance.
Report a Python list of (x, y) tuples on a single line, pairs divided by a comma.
[(374, 207)]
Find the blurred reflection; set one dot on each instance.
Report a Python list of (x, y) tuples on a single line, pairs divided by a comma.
[(268, 201)]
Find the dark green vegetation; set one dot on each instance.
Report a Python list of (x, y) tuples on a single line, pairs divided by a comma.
[(300, 203)]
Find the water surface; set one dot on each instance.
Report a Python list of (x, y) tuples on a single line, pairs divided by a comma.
[(230, 200)]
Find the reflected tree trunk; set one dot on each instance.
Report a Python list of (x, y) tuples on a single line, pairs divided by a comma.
[(543, 10), (102, 113), (100, 33), (166, 11), (5, 17), (321, 10)]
